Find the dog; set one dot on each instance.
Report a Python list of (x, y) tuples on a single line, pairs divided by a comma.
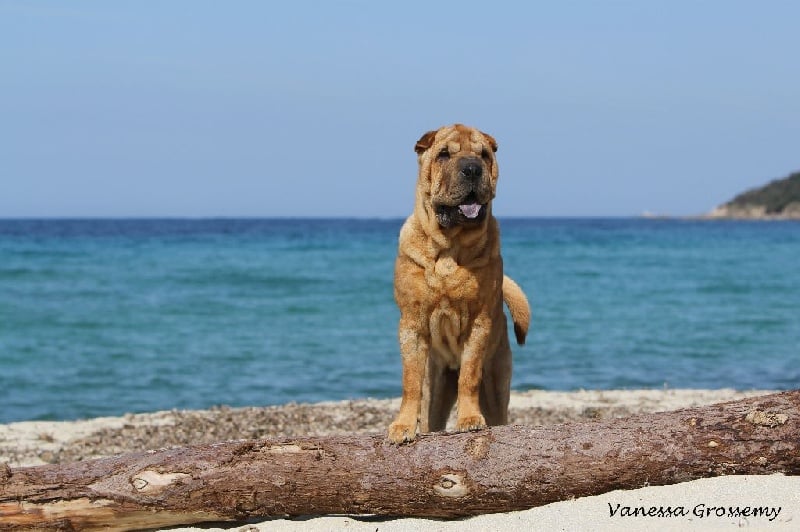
[(450, 287)]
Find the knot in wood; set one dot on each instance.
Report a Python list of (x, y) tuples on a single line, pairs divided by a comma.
[(289, 448), (5, 472), (478, 447), (451, 486), (766, 419), (150, 481)]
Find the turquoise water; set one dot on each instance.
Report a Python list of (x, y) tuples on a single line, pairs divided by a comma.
[(103, 317)]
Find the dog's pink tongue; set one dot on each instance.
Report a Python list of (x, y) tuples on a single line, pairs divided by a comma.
[(471, 210)]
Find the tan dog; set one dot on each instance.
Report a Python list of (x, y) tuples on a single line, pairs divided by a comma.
[(450, 287)]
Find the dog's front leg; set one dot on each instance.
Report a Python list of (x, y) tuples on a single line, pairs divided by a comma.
[(414, 350), (469, 378)]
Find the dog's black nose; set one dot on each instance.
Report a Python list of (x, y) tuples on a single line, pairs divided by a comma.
[(470, 168)]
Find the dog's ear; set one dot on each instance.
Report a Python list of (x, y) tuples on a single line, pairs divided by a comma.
[(492, 142), (424, 142)]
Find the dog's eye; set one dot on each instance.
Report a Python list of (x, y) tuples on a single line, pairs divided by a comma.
[(444, 154), (485, 155)]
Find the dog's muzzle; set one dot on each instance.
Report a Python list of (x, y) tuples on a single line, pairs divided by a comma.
[(471, 208)]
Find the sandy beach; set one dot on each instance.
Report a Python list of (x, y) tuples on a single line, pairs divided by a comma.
[(722, 502)]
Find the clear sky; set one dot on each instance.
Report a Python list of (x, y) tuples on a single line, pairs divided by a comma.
[(300, 108)]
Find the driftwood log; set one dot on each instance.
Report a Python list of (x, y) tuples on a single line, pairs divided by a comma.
[(439, 475)]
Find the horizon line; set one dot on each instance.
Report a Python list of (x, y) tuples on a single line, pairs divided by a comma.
[(331, 217)]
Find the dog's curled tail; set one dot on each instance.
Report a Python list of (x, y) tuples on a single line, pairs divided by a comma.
[(518, 306)]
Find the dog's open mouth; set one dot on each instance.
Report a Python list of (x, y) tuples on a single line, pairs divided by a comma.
[(467, 212), (470, 210)]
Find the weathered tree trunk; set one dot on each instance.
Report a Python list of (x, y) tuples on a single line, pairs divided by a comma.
[(441, 475)]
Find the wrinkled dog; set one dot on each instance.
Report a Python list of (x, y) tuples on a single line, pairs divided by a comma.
[(450, 288)]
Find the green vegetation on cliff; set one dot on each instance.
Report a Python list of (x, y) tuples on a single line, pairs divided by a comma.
[(773, 198), (777, 200)]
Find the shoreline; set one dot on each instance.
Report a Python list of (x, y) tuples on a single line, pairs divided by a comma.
[(38, 442)]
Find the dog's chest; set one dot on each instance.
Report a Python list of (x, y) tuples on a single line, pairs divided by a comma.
[(445, 278), (453, 288)]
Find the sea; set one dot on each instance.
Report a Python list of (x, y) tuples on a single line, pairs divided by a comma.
[(103, 317)]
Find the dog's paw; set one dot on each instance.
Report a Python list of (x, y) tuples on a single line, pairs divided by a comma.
[(469, 423), (401, 432)]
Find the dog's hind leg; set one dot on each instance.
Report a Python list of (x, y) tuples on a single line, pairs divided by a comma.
[(442, 390), (496, 386)]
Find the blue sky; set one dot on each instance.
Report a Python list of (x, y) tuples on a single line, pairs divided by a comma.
[(191, 108)]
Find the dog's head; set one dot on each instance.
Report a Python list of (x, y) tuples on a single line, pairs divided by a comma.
[(458, 171)]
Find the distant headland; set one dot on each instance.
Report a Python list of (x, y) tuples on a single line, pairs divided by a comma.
[(777, 200)]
